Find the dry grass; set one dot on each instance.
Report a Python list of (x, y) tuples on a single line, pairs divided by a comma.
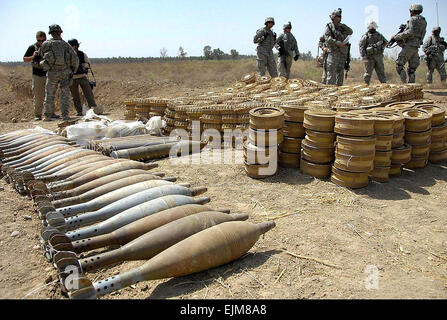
[(223, 72), (119, 81)]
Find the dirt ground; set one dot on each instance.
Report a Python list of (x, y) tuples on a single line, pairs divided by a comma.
[(339, 238)]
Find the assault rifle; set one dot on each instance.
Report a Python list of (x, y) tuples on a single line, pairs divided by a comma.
[(393, 41), (348, 61)]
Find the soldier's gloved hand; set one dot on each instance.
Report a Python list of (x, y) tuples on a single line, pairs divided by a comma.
[(296, 57)]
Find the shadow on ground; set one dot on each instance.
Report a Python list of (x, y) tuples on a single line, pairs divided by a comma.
[(437, 93), (411, 181), (192, 283)]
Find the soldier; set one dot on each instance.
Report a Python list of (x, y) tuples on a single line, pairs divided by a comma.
[(80, 80), (434, 49), (336, 38), (322, 59), (410, 40), (266, 38), (39, 75), (288, 49), (60, 61), (372, 44)]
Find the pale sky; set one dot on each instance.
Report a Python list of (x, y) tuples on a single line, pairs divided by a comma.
[(140, 28)]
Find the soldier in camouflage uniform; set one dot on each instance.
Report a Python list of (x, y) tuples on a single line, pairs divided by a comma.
[(60, 61), (266, 38), (434, 49), (288, 50), (323, 58), (372, 44), (410, 40), (336, 38)]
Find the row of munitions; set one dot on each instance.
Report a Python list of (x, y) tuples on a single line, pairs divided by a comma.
[(144, 147), (87, 201)]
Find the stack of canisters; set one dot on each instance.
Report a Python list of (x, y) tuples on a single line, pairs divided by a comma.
[(383, 130), (401, 152), (418, 135), (158, 106), (438, 149), (142, 108), (129, 114), (294, 132), (317, 149), (355, 150), (264, 136)]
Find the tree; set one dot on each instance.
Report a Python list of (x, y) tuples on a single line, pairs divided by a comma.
[(306, 56), (207, 53), (181, 53), (163, 53), (218, 54), (234, 54)]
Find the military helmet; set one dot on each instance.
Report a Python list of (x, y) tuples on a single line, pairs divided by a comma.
[(55, 28), (416, 8), (436, 30), (288, 25), (336, 13), (372, 25), (269, 19), (73, 42)]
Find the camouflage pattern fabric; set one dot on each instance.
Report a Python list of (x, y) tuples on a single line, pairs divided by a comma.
[(410, 40), (285, 64), (61, 61), (266, 40), (334, 35), (290, 46), (322, 45), (54, 79), (372, 46), (434, 52)]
